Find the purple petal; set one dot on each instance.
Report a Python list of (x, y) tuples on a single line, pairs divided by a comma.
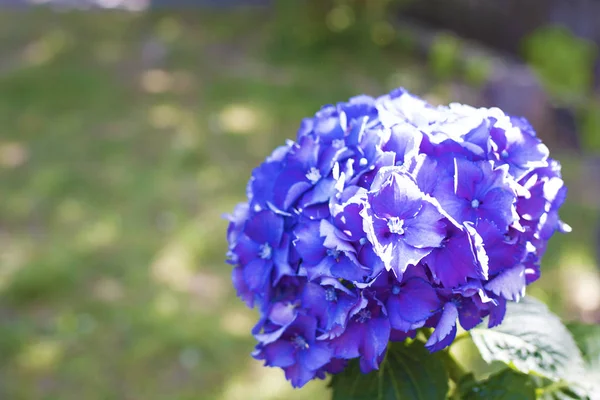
[(260, 188), (399, 197), (480, 136), (503, 252), (349, 221), (369, 258), (496, 206), (281, 260), (359, 106), (429, 171), (334, 239), (338, 315), (270, 337), (399, 336), (455, 262), (468, 314), (510, 284), (319, 270), (426, 229), (497, 313), (445, 331), (317, 211), (416, 302), (467, 176), (457, 207), (404, 141), (401, 255)]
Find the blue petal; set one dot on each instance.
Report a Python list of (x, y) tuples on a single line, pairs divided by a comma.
[(334, 238), (348, 344), (265, 227), (375, 340), (322, 192), (237, 277), (298, 375), (246, 250), (289, 186), (256, 273), (280, 354), (345, 268), (315, 356), (309, 243), (283, 313)]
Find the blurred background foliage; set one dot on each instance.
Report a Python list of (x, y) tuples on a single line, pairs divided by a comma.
[(126, 135)]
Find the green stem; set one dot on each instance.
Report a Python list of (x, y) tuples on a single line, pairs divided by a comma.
[(455, 370)]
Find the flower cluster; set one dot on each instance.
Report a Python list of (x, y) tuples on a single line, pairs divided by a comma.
[(385, 216)]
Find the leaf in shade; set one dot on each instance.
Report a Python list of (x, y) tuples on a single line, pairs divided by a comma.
[(504, 385), (408, 372)]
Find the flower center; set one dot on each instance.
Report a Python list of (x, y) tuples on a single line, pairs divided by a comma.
[(363, 162), (338, 143), (333, 253), (265, 251), (504, 153), (300, 343), (475, 203), (396, 225), (363, 316), (313, 175), (330, 294), (395, 289)]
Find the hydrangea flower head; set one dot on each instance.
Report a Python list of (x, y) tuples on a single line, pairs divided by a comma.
[(387, 215)]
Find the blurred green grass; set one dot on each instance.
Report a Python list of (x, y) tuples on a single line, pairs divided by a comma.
[(124, 138)]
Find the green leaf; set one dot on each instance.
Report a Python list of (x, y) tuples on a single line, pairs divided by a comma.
[(532, 340), (561, 390), (504, 385), (408, 372)]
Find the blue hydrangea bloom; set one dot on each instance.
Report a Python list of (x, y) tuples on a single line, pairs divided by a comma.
[(387, 215)]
